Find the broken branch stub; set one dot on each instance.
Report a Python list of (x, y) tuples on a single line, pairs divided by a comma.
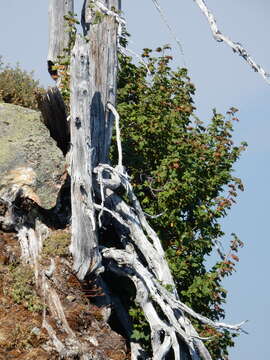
[(59, 36)]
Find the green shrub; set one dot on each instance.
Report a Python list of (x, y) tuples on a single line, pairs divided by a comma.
[(182, 169), (18, 86)]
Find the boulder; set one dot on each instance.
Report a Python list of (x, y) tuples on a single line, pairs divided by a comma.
[(25, 142)]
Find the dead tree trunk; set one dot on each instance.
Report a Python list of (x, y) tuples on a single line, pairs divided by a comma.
[(93, 86), (84, 245), (142, 260), (138, 254)]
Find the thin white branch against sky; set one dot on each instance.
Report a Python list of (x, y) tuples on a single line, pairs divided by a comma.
[(166, 22), (236, 47)]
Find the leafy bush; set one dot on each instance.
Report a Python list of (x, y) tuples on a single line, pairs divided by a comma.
[(18, 86), (183, 170)]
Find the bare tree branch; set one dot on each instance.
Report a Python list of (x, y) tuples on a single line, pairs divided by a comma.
[(166, 22), (236, 47)]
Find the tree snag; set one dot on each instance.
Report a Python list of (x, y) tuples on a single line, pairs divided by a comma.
[(93, 85), (102, 198)]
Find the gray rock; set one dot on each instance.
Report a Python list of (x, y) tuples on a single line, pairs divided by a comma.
[(25, 142)]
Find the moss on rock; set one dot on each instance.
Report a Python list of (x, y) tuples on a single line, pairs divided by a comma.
[(22, 288), (57, 244)]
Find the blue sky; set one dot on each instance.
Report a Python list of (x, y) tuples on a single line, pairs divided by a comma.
[(222, 80)]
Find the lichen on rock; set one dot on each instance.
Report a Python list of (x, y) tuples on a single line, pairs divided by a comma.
[(45, 311), (25, 142)]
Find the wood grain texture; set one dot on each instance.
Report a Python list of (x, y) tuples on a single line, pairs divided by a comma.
[(58, 36), (93, 85), (102, 44), (84, 244)]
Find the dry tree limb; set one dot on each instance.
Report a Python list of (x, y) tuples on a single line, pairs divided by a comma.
[(118, 134), (236, 47)]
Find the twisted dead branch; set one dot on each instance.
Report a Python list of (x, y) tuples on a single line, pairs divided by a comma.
[(235, 46)]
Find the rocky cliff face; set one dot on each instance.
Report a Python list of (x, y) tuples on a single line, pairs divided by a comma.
[(63, 324), (25, 142)]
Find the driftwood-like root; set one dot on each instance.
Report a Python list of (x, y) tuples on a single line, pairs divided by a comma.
[(143, 261)]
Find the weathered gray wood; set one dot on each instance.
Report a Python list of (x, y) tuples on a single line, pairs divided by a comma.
[(58, 34), (93, 85), (140, 257), (235, 46), (84, 244), (102, 35), (143, 261)]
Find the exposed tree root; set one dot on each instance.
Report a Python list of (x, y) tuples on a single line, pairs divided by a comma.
[(139, 256), (143, 261), (72, 328)]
